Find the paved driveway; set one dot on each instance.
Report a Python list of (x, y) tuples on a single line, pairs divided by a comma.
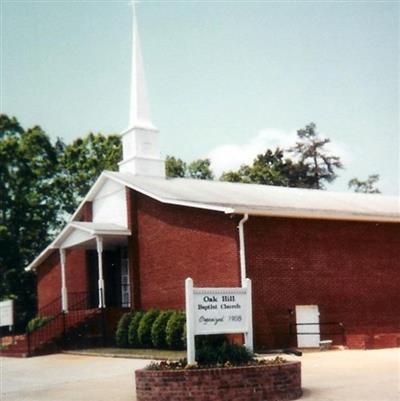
[(327, 376)]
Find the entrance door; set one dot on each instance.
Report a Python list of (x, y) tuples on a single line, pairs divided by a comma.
[(307, 319)]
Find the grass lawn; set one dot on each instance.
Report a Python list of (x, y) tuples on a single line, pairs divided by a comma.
[(132, 353)]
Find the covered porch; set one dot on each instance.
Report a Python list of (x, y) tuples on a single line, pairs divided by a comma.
[(107, 265)]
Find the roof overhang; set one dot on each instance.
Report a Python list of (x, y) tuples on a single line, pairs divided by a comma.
[(83, 235)]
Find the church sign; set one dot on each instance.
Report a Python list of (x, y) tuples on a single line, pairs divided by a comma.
[(217, 311)]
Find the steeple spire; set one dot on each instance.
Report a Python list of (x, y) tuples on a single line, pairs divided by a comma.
[(141, 154), (139, 108)]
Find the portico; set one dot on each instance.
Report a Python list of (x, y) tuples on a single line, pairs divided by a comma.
[(96, 237)]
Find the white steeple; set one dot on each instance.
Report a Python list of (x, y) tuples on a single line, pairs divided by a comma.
[(141, 154)]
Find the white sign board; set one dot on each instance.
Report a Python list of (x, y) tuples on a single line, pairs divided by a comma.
[(220, 310), (217, 311), (6, 313)]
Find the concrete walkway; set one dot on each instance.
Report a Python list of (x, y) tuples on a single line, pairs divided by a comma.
[(327, 376), (64, 377)]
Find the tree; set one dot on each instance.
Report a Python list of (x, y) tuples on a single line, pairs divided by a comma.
[(175, 167), (311, 152), (271, 168), (40, 183), (368, 186), (200, 169), (81, 163), (267, 169), (28, 208)]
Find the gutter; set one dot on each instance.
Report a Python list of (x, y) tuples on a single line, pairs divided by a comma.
[(242, 249)]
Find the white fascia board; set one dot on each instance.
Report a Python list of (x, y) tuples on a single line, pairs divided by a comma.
[(39, 259), (177, 202), (123, 232), (314, 214), (112, 232), (48, 249)]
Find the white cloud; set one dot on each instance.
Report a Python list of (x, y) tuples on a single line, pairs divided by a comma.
[(232, 156)]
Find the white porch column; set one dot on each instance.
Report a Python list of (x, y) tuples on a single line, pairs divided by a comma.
[(99, 243), (64, 295)]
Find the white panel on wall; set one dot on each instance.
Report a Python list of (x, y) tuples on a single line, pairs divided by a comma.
[(109, 205)]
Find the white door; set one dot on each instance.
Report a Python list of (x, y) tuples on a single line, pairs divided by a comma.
[(307, 319)]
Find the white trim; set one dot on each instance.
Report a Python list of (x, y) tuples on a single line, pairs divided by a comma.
[(94, 231), (313, 214), (169, 201)]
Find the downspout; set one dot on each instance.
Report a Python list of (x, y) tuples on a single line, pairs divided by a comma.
[(242, 249)]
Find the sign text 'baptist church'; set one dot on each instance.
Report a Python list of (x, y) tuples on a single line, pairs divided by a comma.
[(217, 311)]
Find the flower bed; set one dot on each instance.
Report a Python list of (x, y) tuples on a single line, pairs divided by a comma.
[(260, 382)]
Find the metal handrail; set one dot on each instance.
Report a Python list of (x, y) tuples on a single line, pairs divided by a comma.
[(51, 308), (58, 323), (340, 325)]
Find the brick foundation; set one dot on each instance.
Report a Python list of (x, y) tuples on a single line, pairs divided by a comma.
[(250, 383)]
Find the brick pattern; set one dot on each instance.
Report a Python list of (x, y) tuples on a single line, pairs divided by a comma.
[(254, 383), (133, 249), (177, 242), (349, 269), (86, 213), (49, 276)]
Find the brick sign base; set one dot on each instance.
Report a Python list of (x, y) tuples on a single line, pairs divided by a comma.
[(249, 383)]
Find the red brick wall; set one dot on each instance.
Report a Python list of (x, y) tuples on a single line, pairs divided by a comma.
[(133, 249), (76, 274), (86, 213), (179, 242), (349, 269), (49, 276), (252, 383)]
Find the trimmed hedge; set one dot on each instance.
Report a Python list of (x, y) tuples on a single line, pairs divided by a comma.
[(133, 339), (175, 331), (145, 325), (121, 335), (158, 330), (152, 329)]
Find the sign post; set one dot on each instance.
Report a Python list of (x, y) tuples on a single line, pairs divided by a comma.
[(217, 311)]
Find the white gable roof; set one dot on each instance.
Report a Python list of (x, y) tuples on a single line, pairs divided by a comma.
[(237, 198)]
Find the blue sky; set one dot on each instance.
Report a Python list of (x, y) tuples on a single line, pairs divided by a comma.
[(225, 79)]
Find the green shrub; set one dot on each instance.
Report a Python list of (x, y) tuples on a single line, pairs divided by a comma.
[(145, 325), (133, 340), (175, 330), (233, 353), (121, 335), (158, 330), (37, 322), (213, 340)]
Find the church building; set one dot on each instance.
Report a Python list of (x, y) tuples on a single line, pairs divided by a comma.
[(323, 265)]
